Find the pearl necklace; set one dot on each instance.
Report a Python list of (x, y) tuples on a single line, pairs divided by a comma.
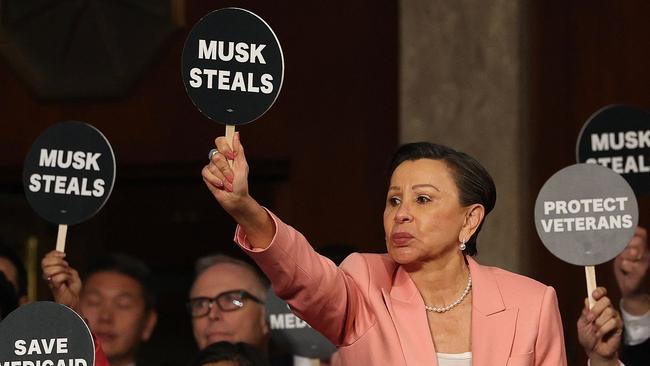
[(434, 309)]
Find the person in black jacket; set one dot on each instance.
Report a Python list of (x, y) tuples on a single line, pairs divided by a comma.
[(631, 269)]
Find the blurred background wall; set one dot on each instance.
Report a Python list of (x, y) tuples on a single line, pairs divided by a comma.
[(462, 73), (510, 82)]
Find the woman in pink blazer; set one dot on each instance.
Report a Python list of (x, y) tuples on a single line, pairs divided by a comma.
[(425, 302)]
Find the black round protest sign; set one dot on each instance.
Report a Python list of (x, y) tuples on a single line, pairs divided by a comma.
[(294, 334), (586, 214), (69, 173), (45, 334), (232, 66), (618, 137)]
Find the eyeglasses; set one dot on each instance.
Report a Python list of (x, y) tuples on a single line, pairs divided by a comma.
[(226, 301)]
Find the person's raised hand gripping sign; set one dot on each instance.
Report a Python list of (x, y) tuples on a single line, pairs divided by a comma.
[(600, 329), (226, 175), (63, 280), (229, 185)]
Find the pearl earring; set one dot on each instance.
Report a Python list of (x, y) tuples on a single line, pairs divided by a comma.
[(462, 245)]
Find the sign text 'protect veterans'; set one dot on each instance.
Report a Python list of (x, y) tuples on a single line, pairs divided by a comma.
[(606, 213), (585, 214)]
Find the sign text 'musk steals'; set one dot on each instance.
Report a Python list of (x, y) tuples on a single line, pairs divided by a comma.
[(69, 173), (232, 66), (618, 137)]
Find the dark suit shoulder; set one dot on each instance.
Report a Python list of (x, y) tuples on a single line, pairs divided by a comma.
[(638, 355)]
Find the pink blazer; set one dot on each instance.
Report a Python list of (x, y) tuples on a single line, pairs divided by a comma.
[(370, 308)]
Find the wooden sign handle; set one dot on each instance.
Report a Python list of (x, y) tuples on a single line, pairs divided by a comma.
[(230, 136), (60, 238), (590, 273), (304, 361)]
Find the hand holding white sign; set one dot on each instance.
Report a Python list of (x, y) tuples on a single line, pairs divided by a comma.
[(600, 329)]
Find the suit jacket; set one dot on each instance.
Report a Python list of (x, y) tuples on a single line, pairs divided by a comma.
[(638, 355), (371, 309)]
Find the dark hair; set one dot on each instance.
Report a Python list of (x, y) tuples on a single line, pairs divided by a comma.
[(131, 267), (21, 274), (475, 185), (242, 353), (8, 298)]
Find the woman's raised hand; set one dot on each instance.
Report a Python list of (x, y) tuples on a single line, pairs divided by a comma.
[(228, 184)]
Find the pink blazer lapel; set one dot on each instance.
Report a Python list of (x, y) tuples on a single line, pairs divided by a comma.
[(406, 309), (493, 326)]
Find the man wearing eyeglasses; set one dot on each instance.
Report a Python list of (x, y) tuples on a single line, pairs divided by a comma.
[(227, 303)]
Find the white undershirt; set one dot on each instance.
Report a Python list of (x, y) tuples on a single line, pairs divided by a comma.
[(454, 359), (465, 359), (637, 327)]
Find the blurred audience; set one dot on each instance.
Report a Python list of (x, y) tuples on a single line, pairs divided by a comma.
[(227, 302), (631, 269), (230, 354), (14, 270), (117, 300), (8, 298)]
